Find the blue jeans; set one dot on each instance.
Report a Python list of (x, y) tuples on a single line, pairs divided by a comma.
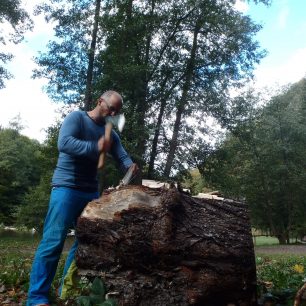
[(65, 207)]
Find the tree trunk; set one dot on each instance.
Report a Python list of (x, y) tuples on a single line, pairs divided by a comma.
[(283, 238), (300, 296), (182, 103), (143, 106), (153, 152), (91, 58), (158, 126), (163, 247)]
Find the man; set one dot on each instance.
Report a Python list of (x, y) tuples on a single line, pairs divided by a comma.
[(74, 184)]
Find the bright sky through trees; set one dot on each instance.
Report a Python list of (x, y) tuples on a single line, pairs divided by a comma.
[(283, 33)]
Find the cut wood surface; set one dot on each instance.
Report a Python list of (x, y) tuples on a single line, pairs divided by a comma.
[(163, 247)]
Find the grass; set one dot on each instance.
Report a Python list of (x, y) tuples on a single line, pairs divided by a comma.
[(16, 256), (265, 241)]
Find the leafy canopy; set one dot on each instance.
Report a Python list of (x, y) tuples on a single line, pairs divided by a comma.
[(16, 21)]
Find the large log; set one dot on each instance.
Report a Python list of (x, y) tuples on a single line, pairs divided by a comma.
[(164, 247)]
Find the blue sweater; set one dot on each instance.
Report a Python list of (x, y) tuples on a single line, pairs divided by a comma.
[(78, 152)]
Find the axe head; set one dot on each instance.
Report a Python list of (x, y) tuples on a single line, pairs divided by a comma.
[(118, 121)]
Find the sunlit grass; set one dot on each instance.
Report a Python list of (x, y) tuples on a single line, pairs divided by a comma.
[(268, 240), (265, 240), (16, 257)]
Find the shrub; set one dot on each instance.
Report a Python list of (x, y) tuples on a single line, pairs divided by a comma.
[(280, 277)]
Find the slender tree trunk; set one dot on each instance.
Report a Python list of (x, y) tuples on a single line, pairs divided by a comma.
[(142, 106), (155, 139), (157, 128), (182, 103), (282, 239), (285, 181), (91, 58), (163, 104)]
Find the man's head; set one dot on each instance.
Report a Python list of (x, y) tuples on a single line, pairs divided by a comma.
[(110, 103)]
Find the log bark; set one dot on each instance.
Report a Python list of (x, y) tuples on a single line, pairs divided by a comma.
[(300, 296), (164, 247)]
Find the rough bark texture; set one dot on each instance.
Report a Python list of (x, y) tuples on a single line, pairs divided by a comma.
[(163, 247), (300, 296)]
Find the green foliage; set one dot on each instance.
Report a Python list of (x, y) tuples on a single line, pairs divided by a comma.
[(12, 13), (19, 170), (15, 271), (67, 56), (280, 277), (193, 181), (171, 60), (35, 202), (49, 149), (263, 161), (16, 256), (96, 296), (15, 262)]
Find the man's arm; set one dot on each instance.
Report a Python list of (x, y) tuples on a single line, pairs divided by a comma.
[(69, 140), (119, 153)]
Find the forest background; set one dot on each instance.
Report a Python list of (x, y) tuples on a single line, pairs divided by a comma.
[(184, 70)]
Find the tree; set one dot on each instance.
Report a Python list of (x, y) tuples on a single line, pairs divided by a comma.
[(69, 62), (131, 61), (221, 56), (150, 57), (263, 161), (13, 14), (282, 147), (172, 61), (19, 170), (91, 57), (34, 206)]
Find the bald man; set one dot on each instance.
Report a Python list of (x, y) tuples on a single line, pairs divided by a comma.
[(74, 184)]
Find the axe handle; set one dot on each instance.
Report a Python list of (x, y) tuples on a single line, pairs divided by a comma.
[(107, 136)]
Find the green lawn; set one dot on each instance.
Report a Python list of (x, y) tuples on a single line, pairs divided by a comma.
[(268, 240), (16, 256), (265, 240)]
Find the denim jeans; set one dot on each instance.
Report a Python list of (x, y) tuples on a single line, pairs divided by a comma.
[(65, 207)]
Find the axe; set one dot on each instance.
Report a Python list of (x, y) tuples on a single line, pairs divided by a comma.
[(111, 121)]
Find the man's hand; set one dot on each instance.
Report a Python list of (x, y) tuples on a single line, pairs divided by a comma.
[(104, 145)]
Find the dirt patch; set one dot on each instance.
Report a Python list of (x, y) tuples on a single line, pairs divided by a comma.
[(282, 249)]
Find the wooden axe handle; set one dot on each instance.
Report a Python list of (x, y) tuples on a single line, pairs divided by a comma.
[(107, 136)]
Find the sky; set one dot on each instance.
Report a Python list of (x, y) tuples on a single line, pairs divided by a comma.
[(283, 36)]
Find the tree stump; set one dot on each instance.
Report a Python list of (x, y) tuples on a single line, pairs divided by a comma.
[(164, 247)]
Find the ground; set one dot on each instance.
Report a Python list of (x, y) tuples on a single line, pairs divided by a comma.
[(282, 249), (17, 298)]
